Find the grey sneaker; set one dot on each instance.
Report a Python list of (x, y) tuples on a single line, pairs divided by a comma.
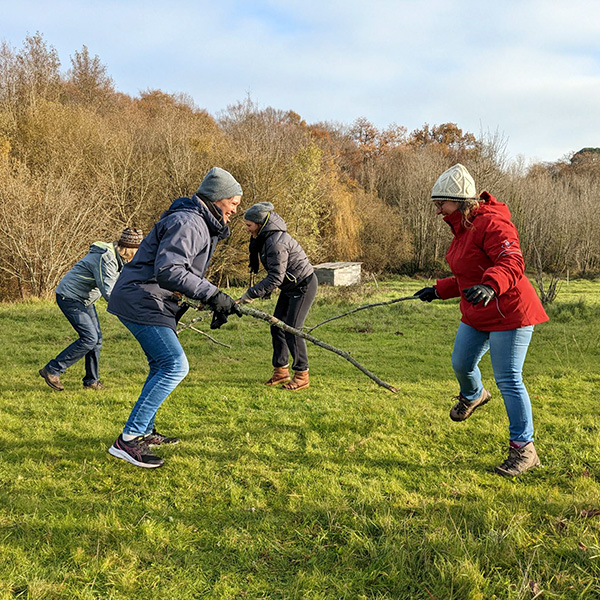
[(519, 460), (464, 408)]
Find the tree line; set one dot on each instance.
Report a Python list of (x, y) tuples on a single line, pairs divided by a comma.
[(79, 161)]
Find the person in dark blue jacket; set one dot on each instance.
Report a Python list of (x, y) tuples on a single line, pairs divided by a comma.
[(288, 269), (172, 259), (93, 276)]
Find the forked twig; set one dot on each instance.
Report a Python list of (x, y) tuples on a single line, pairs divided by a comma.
[(185, 326)]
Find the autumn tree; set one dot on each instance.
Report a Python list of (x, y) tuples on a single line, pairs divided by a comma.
[(87, 80)]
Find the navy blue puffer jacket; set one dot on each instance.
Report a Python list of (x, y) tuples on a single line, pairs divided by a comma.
[(173, 257)]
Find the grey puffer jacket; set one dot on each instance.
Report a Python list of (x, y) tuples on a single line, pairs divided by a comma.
[(93, 276), (173, 257), (282, 257)]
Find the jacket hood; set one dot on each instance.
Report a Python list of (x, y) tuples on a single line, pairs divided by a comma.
[(102, 247), (275, 223), (195, 205), (488, 206)]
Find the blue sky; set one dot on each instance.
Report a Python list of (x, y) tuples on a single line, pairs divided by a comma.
[(529, 69)]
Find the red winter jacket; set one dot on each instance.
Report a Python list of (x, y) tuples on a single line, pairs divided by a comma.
[(488, 252)]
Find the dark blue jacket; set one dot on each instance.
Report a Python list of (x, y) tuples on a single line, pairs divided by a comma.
[(172, 258)]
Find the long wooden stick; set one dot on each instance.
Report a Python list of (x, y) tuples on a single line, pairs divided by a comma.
[(361, 308), (258, 314)]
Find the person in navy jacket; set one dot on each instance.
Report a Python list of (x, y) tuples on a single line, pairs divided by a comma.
[(171, 262), (498, 304)]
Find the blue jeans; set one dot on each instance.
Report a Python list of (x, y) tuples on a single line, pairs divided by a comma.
[(508, 350), (168, 366), (84, 320)]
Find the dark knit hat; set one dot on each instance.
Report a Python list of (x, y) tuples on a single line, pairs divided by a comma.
[(131, 238), (219, 184), (257, 213)]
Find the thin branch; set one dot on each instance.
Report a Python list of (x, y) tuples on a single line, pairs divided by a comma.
[(210, 337), (361, 308), (258, 314), (188, 325)]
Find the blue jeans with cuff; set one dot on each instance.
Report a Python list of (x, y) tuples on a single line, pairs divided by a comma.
[(508, 350), (84, 320), (168, 367)]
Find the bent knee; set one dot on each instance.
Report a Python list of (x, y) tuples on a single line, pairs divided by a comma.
[(178, 367), (91, 341)]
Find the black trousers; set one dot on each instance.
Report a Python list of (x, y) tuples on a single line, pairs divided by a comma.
[(292, 308)]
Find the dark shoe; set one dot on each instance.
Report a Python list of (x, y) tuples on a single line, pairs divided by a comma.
[(158, 439), (136, 452), (96, 385), (463, 409), (52, 380), (519, 460)]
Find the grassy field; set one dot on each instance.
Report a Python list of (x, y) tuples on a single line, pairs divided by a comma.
[(344, 490)]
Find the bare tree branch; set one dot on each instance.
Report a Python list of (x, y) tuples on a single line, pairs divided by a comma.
[(361, 308), (184, 326), (210, 337), (258, 314)]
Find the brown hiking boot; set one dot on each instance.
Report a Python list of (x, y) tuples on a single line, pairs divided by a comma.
[(280, 375), (96, 385), (463, 409), (52, 380), (519, 460), (298, 382)]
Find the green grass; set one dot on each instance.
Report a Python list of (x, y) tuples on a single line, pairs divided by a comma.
[(340, 491)]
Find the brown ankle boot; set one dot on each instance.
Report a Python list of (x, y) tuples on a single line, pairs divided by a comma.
[(280, 375), (299, 382)]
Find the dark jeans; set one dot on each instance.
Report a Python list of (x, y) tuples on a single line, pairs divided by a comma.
[(292, 308), (84, 320)]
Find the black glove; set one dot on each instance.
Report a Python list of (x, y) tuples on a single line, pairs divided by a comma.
[(222, 305), (221, 302), (218, 319), (479, 293), (427, 294)]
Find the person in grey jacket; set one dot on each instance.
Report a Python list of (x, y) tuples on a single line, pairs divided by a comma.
[(93, 276), (288, 269), (171, 261)]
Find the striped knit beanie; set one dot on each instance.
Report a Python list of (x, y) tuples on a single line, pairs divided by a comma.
[(131, 238)]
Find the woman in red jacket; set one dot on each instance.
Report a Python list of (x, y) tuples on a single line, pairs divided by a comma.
[(498, 304)]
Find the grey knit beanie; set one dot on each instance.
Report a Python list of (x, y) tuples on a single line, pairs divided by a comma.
[(257, 213), (219, 184)]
